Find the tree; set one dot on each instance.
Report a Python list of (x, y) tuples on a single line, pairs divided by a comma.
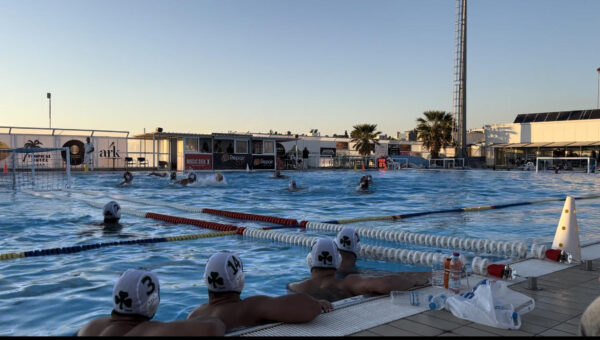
[(435, 131), (364, 136)]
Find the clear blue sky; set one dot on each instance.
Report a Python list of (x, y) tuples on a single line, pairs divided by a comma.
[(256, 65)]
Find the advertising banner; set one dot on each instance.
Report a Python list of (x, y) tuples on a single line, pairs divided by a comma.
[(40, 159), (224, 161), (263, 162), (198, 161), (76, 147), (109, 152)]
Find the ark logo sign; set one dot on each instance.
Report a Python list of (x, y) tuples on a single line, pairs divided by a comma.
[(111, 152)]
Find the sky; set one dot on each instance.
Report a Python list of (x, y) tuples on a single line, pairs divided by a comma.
[(202, 66)]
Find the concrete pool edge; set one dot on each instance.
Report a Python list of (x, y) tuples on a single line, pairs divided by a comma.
[(345, 324)]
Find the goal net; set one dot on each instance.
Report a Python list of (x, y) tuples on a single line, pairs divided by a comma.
[(585, 164), (447, 163), (42, 169)]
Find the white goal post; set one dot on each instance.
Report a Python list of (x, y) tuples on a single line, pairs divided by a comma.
[(565, 163), (35, 168), (433, 163)]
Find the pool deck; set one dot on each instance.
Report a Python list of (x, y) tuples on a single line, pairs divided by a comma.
[(563, 297)]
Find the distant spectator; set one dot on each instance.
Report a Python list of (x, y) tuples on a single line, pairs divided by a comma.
[(88, 154), (305, 158)]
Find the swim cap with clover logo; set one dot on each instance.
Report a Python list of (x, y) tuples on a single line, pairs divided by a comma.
[(224, 272), (347, 240), (137, 292), (324, 254)]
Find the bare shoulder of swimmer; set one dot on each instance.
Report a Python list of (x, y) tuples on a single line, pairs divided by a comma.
[(94, 327)]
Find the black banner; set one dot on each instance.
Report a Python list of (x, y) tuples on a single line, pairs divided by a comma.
[(328, 152), (280, 150), (227, 161), (263, 162), (76, 149)]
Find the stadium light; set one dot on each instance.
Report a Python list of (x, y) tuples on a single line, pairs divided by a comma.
[(48, 95), (598, 97)]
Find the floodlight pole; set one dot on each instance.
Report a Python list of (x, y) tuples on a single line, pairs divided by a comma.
[(598, 97), (49, 95)]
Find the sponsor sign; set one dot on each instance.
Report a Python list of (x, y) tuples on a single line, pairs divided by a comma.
[(224, 161), (198, 162), (263, 162), (108, 150), (328, 152), (76, 150)]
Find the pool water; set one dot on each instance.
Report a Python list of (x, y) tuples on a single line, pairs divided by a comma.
[(56, 295)]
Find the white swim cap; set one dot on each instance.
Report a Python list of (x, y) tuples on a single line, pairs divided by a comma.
[(111, 211), (347, 240), (224, 273), (136, 292), (324, 254)]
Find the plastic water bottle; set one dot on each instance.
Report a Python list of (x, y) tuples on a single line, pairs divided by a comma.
[(437, 270), (437, 302), (455, 273)]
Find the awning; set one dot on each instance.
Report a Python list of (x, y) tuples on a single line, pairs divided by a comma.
[(499, 145), (537, 145), (511, 145), (558, 144), (582, 143)]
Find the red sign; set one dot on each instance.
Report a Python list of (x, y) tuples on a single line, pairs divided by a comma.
[(198, 162)]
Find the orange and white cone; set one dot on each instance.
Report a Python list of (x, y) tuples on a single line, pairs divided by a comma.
[(567, 232)]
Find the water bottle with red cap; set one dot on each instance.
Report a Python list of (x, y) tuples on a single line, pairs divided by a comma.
[(455, 273)]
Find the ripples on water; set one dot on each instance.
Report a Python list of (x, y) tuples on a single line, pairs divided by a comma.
[(56, 295)]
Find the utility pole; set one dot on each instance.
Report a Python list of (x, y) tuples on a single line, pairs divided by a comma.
[(48, 95)]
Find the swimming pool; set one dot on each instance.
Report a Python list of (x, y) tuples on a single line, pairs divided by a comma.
[(56, 295)]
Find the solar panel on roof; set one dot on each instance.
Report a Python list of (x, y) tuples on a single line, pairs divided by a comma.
[(575, 115), (519, 118), (563, 115), (540, 117)]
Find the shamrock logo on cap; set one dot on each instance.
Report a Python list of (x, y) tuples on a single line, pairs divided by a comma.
[(345, 241), (122, 298), (325, 257), (214, 279)]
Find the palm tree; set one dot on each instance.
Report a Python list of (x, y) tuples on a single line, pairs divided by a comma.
[(364, 136), (435, 131)]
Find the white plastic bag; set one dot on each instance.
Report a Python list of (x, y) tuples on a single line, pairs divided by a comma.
[(491, 303)]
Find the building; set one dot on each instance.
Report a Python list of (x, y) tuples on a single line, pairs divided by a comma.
[(548, 134)]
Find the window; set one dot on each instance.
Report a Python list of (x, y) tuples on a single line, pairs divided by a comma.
[(268, 147), (241, 146), (341, 145), (224, 145), (206, 145), (257, 148), (191, 145)]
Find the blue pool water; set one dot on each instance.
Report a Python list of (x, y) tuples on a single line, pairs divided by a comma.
[(56, 295)]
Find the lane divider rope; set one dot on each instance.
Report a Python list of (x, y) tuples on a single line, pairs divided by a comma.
[(84, 247), (510, 249)]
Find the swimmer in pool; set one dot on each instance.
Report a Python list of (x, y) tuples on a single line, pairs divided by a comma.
[(112, 215), (278, 174), (191, 179), (127, 178), (324, 260), (348, 245), (364, 183), (224, 276), (158, 174), (219, 177), (136, 296), (173, 176), (292, 186)]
